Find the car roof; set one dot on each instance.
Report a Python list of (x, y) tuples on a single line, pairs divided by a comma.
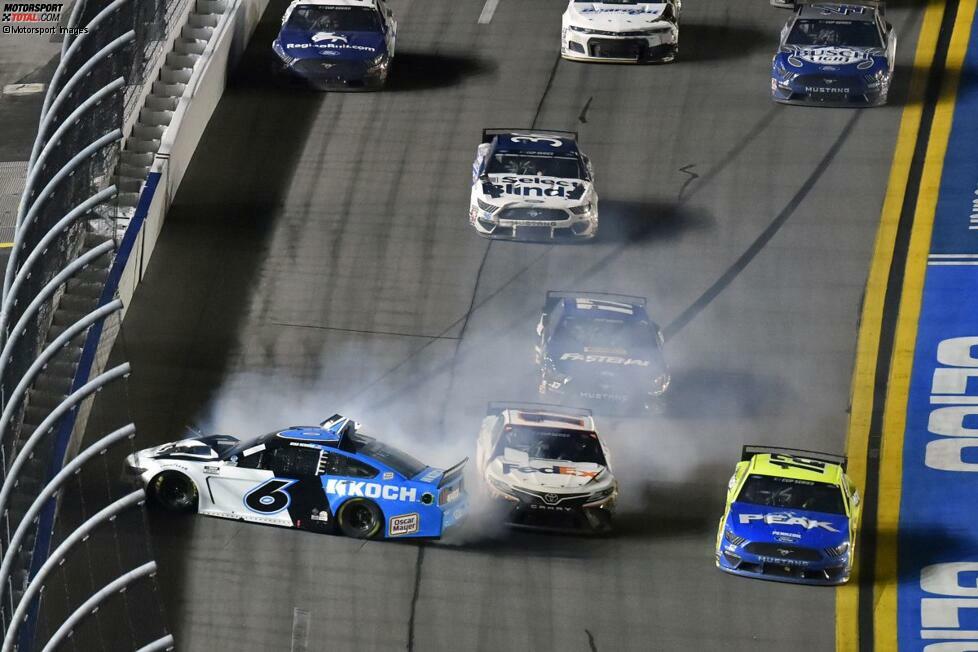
[(518, 142), (837, 11), (335, 3), (543, 418), (311, 434), (764, 464)]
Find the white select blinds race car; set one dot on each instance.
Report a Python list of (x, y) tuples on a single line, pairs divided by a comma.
[(532, 184), (546, 467), (621, 31)]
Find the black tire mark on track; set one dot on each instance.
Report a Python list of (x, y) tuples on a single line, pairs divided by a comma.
[(582, 118), (414, 596), (765, 236), (692, 176), (590, 640), (884, 352)]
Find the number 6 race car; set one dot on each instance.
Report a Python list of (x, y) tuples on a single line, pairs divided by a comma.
[(326, 478), (532, 185), (791, 516)]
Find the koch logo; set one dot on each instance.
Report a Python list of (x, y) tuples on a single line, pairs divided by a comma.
[(330, 37), (356, 489)]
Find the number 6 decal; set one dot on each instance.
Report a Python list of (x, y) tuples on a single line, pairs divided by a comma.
[(269, 497)]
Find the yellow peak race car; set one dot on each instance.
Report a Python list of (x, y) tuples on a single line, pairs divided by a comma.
[(791, 516)]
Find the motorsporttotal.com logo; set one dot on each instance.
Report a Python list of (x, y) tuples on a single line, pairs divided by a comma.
[(31, 12)]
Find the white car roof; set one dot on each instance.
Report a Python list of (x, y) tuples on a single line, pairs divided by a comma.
[(335, 3)]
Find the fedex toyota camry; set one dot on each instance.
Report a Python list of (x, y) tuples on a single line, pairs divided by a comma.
[(621, 31), (337, 43), (546, 467), (326, 478), (532, 184), (791, 516), (834, 55)]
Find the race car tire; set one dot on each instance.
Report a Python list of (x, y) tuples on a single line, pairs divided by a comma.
[(174, 492), (360, 519)]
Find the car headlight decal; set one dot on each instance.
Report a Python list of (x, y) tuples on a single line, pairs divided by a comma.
[(730, 537)]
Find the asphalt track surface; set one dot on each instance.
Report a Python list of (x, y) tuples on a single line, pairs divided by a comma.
[(318, 259)]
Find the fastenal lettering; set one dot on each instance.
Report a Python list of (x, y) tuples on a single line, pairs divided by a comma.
[(609, 359)]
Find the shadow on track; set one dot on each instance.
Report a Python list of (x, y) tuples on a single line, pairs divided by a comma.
[(722, 42), (416, 71), (636, 222)]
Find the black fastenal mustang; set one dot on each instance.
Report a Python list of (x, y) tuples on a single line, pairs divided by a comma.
[(601, 349)]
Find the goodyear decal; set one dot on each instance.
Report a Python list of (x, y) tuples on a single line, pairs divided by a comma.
[(937, 547)]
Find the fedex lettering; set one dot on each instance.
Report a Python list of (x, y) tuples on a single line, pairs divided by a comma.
[(957, 586), (609, 359), (354, 488), (548, 470), (788, 519), (949, 391)]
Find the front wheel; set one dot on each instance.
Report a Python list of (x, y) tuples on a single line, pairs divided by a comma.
[(174, 492), (360, 519)]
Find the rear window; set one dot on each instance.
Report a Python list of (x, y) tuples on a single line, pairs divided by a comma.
[(389, 456)]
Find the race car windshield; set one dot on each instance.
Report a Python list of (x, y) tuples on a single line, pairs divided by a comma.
[(563, 167), (392, 457), (789, 493), (851, 33), (618, 334), (327, 18), (552, 444)]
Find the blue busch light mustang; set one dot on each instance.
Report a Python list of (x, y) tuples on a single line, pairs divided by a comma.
[(834, 55), (600, 349), (325, 478), (791, 516), (337, 43)]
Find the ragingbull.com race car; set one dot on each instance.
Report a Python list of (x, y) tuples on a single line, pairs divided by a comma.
[(328, 478), (532, 185), (600, 349), (337, 43), (621, 31), (791, 516), (834, 55), (546, 466)]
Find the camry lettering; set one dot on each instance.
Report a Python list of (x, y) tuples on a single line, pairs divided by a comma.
[(509, 467), (360, 489), (788, 519), (607, 359)]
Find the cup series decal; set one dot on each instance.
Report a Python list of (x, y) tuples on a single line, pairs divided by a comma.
[(404, 524)]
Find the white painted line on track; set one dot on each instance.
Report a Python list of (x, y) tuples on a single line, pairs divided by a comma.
[(22, 89), (954, 256), (300, 630), (487, 11)]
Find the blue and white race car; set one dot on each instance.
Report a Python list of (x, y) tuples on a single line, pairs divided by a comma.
[(337, 43), (791, 516), (834, 55), (532, 184), (325, 478)]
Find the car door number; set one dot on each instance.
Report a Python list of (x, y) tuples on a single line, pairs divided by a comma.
[(270, 497)]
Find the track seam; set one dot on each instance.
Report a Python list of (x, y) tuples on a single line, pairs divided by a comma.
[(884, 353)]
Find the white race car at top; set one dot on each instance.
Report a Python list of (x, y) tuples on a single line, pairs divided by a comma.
[(621, 31)]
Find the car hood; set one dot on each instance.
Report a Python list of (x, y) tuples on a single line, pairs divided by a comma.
[(849, 60), (536, 474), (508, 189), (615, 17), (762, 524), (340, 46)]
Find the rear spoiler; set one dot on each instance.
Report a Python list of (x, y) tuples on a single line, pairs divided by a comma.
[(791, 4), (452, 474), (496, 407), (750, 451), (610, 296), (489, 134)]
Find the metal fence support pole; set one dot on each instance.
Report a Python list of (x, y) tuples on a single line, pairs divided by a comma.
[(86, 390), (56, 557), (42, 360), (72, 22), (63, 173), (46, 293), (91, 605), (52, 488), (56, 76), (24, 272), (164, 643)]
